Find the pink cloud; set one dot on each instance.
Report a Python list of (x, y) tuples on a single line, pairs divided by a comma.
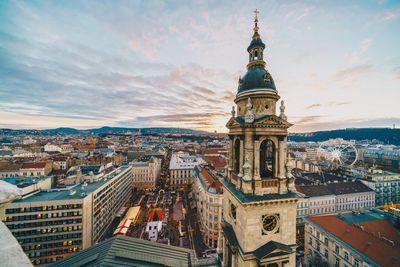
[(391, 15), (353, 71)]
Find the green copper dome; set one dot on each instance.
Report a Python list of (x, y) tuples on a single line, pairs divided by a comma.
[(257, 77), (255, 43)]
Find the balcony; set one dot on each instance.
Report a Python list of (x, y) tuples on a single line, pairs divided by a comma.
[(269, 183)]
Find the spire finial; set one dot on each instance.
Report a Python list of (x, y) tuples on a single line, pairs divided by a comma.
[(256, 21)]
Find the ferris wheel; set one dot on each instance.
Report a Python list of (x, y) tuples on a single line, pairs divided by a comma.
[(338, 152)]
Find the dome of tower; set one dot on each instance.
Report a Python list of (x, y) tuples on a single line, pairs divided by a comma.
[(257, 42), (256, 77)]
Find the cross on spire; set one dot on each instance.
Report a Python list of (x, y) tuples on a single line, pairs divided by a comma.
[(256, 12), (256, 21)]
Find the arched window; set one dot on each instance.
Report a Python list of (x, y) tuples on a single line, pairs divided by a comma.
[(256, 55), (267, 159), (236, 158)]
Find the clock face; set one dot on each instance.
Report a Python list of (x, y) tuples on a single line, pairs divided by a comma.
[(270, 222)]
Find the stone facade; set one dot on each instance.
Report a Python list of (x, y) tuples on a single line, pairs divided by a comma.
[(146, 174), (207, 190)]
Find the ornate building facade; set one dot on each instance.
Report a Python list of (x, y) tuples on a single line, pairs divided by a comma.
[(259, 209)]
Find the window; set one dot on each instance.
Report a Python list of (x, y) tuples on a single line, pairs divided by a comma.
[(356, 263), (337, 249), (337, 262), (326, 241), (267, 159), (233, 211), (346, 256)]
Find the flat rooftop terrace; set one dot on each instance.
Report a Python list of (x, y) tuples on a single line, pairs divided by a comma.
[(80, 192), (22, 182), (354, 218)]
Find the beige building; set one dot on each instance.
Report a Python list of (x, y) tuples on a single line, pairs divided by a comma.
[(35, 169), (259, 209), (208, 191), (52, 224), (146, 174)]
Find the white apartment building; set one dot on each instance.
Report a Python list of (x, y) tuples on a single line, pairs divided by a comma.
[(52, 224), (332, 198), (51, 148), (181, 168)]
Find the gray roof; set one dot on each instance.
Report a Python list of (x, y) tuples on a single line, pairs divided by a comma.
[(341, 188), (129, 251), (80, 193)]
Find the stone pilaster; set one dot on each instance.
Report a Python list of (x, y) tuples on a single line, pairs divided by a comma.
[(256, 164), (241, 156), (249, 153)]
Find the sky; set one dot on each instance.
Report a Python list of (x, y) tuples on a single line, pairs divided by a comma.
[(85, 64)]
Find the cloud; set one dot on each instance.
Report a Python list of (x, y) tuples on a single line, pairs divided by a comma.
[(353, 72), (338, 104), (358, 56), (391, 15), (193, 120), (315, 125), (397, 73), (297, 13), (306, 120), (114, 63), (313, 106), (329, 104)]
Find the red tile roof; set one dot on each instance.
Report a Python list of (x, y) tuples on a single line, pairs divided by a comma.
[(213, 151), (156, 215), (217, 162), (33, 165), (364, 237), (211, 181)]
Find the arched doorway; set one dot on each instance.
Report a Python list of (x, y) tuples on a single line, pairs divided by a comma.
[(267, 159)]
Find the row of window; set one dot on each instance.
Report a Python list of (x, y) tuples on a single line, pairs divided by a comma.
[(51, 246), (36, 254), (49, 238), (44, 208), (42, 223), (47, 231), (43, 216)]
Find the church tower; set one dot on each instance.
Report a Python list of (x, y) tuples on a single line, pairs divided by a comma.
[(259, 210)]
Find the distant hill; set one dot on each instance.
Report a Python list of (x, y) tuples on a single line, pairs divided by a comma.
[(101, 130), (385, 135)]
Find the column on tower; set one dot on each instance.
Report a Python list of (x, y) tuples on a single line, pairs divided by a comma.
[(282, 164), (247, 179)]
